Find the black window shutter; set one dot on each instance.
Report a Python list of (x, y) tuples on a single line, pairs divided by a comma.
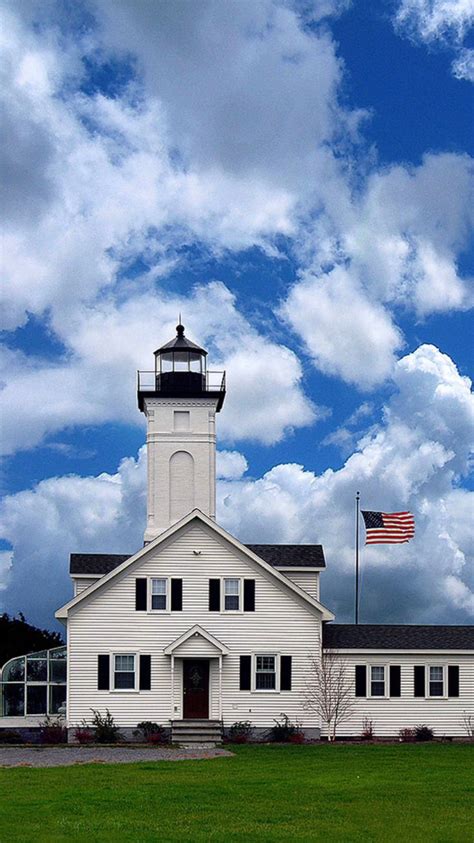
[(285, 673), (453, 680), (360, 680), (249, 595), (145, 673), (140, 595), (214, 595), (395, 683), (419, 680), (176, 595), (245, 671), (103, 673)]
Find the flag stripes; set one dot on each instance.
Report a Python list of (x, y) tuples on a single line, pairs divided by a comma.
[(388, 527)]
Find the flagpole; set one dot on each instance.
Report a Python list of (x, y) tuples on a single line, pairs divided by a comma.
[(357, 558)]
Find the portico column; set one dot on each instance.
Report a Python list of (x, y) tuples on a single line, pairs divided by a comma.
[(220, 687), (172, 687)]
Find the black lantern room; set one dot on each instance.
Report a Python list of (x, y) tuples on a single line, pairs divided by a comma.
[(180, 365), (180, 370)]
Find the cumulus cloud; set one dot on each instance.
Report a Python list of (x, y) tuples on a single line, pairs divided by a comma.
[(231, 465), (346, 334), (109, 342), (413, 459), (392, 248)]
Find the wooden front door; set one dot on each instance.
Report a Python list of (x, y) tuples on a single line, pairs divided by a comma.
[(196, 688)]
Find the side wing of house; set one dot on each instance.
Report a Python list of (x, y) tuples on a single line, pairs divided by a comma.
[(192, 605), (427, 679)]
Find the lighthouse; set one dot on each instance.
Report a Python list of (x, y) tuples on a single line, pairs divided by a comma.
[(180, 399)]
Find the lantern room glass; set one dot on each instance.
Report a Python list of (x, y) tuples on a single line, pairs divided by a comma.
[(180, 361)]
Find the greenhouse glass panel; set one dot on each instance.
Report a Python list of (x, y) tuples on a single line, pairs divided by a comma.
[(57, 671), (14, 671), (13, 700), (36, 699), (57, 698), (57, 653), (36, 670)]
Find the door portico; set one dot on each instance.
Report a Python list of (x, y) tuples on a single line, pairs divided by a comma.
[(196, 659)]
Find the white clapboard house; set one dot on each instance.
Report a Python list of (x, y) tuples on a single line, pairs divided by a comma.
[(197, 631)]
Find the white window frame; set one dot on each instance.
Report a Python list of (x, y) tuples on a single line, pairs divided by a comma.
[(136, 664), (238, 611), (276, 689), (167, 608), (370, 680), (428, 695)]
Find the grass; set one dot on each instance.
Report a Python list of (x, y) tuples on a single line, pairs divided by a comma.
[(265, 793)]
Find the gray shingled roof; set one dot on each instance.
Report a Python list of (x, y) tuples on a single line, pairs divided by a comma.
[(96, 563), (290, 555), (278, 555), (397, 636)]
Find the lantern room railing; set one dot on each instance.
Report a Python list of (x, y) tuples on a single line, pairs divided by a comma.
[(150, 381)]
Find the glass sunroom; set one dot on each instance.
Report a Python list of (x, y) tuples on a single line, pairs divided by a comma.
[(34, 684)]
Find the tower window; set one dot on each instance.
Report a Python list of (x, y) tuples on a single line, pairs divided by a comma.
[(181, 420)]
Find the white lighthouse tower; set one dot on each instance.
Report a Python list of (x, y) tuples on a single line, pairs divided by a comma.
[(180, 399)]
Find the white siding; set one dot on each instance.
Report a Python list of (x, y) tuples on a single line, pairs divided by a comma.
[(389, 715), (81, 583), (308, 580), (107, 622)]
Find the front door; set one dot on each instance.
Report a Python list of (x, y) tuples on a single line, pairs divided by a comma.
[(196, 688)]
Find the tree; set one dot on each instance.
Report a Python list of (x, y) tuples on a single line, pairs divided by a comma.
[(329, 691), (17, 637)]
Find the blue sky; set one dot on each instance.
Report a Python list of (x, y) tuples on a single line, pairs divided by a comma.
[(296, 179)]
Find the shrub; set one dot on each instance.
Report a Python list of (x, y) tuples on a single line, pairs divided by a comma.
[(240, 731), (468, 724), (406, 735), (53, 731), (10, 736), (105, 729), (157, 737), (297, 737), (423, 733), (283, 729), (152, 732), (367, 733), (83, 735)]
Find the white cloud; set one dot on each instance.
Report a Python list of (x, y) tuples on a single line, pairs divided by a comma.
[(411, 460), (109, 342), (463, 65), (436, 19), (231, 465), (439, 21), (345, 333), (395, 246)]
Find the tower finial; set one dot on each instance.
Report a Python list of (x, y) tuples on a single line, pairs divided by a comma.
[(180, 327)]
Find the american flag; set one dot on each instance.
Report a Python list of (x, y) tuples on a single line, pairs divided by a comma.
[(388, 527)]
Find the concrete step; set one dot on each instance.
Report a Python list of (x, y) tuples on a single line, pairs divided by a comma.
[(196, 732)]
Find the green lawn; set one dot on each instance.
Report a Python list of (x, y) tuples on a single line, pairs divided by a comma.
[(331, 793)]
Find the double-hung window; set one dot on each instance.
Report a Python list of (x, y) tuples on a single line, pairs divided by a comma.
[(377, 681), (159, 594), (124, 671), (436, 681), (265, 673), (232, 594)]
